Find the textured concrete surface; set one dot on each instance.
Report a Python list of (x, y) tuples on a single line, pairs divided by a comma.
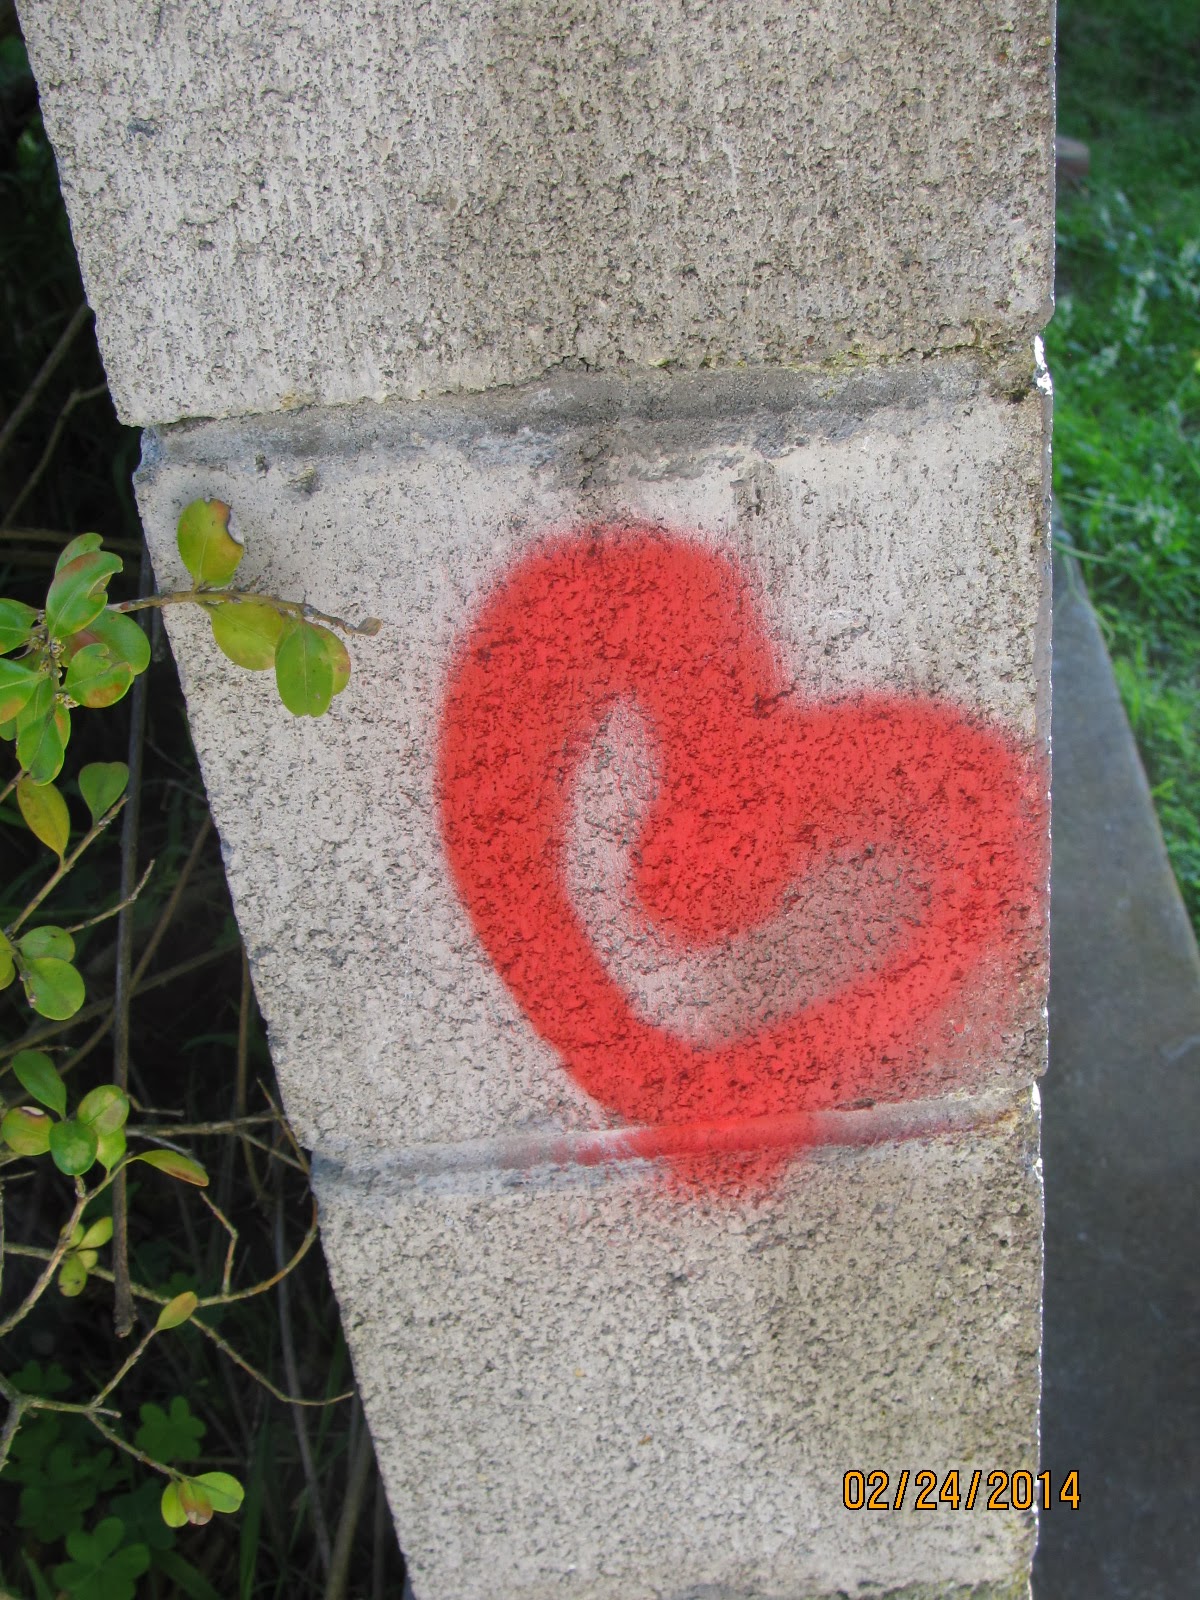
[(895, 525), (592, 1383), (589, 1372), (1121, 1131), (293, 203)]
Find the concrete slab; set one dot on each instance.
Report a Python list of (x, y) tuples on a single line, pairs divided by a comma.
[(1121, 1137), (285, 204), (597, 1383), (893, 527)]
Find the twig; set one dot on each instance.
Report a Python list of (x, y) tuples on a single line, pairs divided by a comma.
[(243, 1071), (361, 1459), (37, 1036), (140, 1292), (239, 1360), (378, 1541), (320, 1527), (57, 536), (287, 608), (170, 1130), (103, 916), (65, 865), (18, 1405), (53, 1258), (129, 1449), (122, 1295), (75, 398), (42, 377), (227, 1274), (131, 1359)]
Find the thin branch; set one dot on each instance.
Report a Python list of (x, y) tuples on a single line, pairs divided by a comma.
[(37, 1036), (169, 1130), (306, 1244), (75, 398), (361, 1458), (129, 1449), (173, 899), (53, 1260), (131, 1360), (103, 916), (239, 1360), (140, 1292), (123, 989), (57, 536), (65, 865), (320, 1527), (287, 608), (227, 1274), (18, 1405), (43, 375)]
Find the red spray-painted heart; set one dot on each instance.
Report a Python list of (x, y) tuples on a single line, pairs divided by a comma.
[(757, 790)]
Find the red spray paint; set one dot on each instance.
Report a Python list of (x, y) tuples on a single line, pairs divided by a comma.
[(758, 786)]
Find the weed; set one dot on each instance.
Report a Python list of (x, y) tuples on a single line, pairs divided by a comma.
[(1124, 348)]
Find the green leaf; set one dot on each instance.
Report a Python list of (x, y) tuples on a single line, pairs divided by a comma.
[(102, 783), (195, 1503), (173, 1513), (104, 1108), (99, 1570), (41, 744), (175, 1166), (72, 1147), (72, 1277), (224, 1490), (209, 551), (53, 988), (38, 1076), (111, 1149), (100, 1232), (17, 683), (176, 1312), (94, 679), (311, 666), (46, 941), (17, 622), (247, 631), (79, 591), (8, 969), (8, 730), (81, 545), (172, 1435), (123, 638), (26, 1129), (46, 815), (40, 703)]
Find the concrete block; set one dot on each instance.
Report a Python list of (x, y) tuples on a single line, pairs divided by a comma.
[(282, 203), (592, 1384), (891, 531)]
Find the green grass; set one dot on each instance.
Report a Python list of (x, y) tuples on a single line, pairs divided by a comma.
[(1124, 348)]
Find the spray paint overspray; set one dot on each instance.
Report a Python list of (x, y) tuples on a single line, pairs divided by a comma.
[(716, 898)]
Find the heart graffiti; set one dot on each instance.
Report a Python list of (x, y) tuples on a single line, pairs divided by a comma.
[(918, 819)]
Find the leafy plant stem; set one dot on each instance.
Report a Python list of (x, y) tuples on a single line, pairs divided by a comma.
[(53, 1262), (63, 868), (122, 1295), (127, 1365), (287, 608)]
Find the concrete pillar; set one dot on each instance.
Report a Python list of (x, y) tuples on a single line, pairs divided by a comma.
[(652, 937)]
